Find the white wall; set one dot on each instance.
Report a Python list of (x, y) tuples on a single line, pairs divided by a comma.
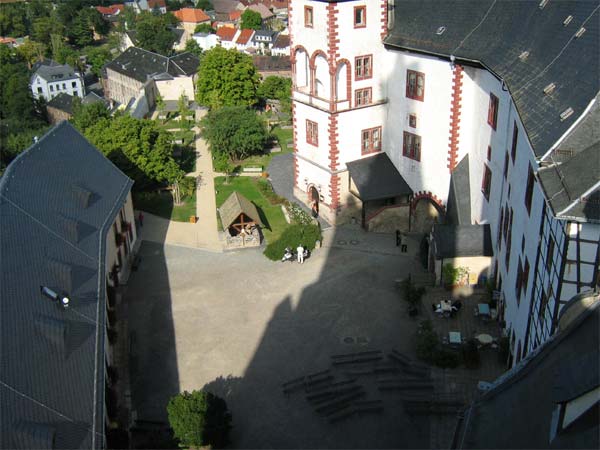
[(172, 89), (433, 121), (49, 90)]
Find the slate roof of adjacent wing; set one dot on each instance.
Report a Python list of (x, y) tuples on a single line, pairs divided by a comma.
[(494, 34), (376, 178), (452, 241), (57, 201), (518, 411), (64, 102), (272, 63), (142, 65), (459, 195), (191, 15)]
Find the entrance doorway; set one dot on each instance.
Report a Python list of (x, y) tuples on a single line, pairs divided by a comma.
[(314, 201)]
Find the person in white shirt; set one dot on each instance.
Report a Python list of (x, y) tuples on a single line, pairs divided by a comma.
[(300, 251)]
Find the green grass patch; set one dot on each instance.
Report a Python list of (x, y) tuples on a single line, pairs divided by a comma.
[(283, 136), (161, 204), (271, 215), (293, 235)]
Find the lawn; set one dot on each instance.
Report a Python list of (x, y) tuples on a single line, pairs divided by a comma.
[(282, 136), (161, 204), (271, 215)]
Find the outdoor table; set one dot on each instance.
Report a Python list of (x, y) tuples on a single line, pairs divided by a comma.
[(484, 339), (454, 337), (446, 306), (484, 309)]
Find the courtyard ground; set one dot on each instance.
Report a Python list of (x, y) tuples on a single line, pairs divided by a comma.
[(240, 326)]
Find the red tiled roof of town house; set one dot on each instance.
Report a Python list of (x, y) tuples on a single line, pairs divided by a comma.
[(192, 15), (7, 40), (244, 37), (156, 4), (226, 33), (235, 15), (109, 10)]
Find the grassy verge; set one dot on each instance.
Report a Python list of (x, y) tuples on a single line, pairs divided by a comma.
[(161, 204), (271, 215), (282, 136)]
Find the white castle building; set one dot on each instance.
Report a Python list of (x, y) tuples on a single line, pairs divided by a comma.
[(460, 113)]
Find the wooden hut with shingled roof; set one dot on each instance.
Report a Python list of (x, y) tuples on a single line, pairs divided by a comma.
[(240, 218)]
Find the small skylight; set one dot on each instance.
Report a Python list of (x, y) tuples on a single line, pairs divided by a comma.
[(580, 32), (543, 3), (566, 114), (440, 30), (549, 89), (567, 20), (523, 56)]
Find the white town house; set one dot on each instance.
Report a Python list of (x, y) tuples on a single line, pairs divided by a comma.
[(465, 114), (51, 79)]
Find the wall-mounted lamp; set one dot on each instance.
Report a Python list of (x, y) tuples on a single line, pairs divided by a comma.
[(452, 59)]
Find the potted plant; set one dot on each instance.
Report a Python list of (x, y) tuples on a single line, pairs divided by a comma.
[(454, 276)]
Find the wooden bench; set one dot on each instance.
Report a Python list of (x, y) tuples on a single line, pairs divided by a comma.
[(252, 169)]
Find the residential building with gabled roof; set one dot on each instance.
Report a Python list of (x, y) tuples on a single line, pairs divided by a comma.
[(50, 79), (227, 36)]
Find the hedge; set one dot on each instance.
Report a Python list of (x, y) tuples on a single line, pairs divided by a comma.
[(293, 236)]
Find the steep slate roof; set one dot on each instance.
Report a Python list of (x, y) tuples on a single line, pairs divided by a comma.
[(376, 178), (58, 200), (192, 15), (517, 412), (62, 102), (235, 205), (52, 73), (269, 34), (267, 63), (459, 195), (453, 241), (494, 34), (142, 65)]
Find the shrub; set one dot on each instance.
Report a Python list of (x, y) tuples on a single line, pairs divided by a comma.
[(292, 236), (199, 419), (411, 293), (427, 341), (453, 275), (298, 215)]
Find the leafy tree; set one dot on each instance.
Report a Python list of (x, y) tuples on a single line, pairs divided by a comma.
[(199, 419), (235, 131), (43, 27), (222, 163), (31, 52), (192, 46), (153, 32), (274, 87), (138, 147), (184, 112), (79, 32), (204, 28), (129, 18), (206, 5), (226, 78), (160, 104), (85, 116), (97, 57), (251, 20)]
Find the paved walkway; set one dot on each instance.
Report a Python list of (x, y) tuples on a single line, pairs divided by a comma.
[(203, 234)]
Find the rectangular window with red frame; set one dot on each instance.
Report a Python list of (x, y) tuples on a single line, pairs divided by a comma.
[(312, 132), (513, 149), (486, 183), (362, 97), (415, 85), (529, 190), (493, 111), (370, 140), (363, 67), (360, 16), (308, 16), (411, 146)]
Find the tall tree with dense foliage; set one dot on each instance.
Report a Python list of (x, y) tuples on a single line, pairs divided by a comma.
[(153, 32), (97, 57), (206, 5), (226, 78), (235, 131), (251, 20), (199, 419), (204, 28), (192, 46)]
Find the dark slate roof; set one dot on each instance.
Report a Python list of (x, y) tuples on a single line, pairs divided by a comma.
[(62, 102), (143, 65), (494, 33), (459, 195), (272, 63), (56, 72), (518, 411), (269, 34), (57, 201), (376, 177), (452, 241), (573, 187)]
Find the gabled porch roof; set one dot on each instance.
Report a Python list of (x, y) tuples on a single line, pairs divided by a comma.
[(377, 178)]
